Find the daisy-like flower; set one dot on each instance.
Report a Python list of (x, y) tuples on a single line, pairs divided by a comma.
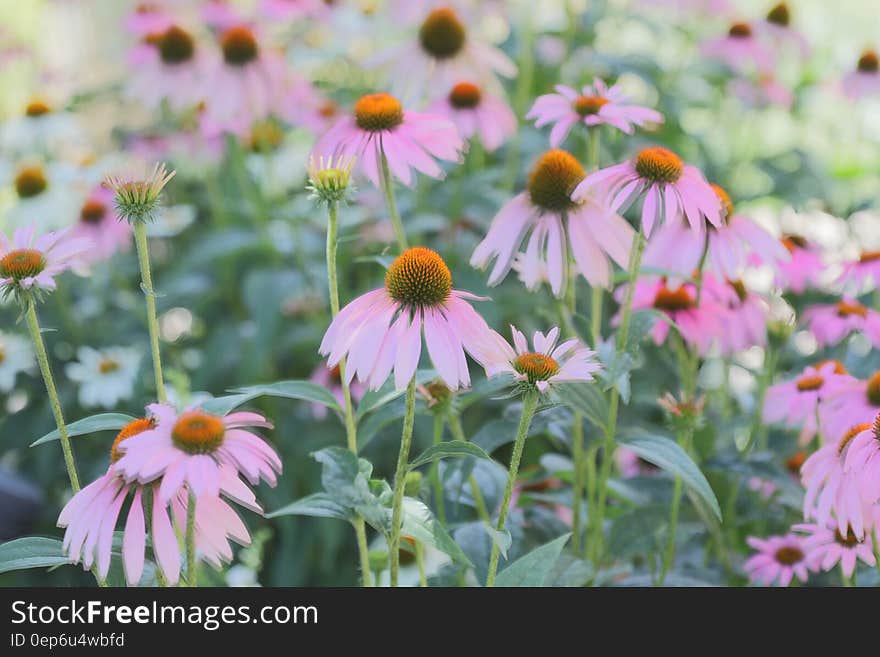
[(865, 80), (671, 190), (595, 105), (778, 28), (204, 452), (30, 263), (547, 363), (850, 401), (862, 272), (831, 323), (329, 378), (863, 462), (745, 323), (795, 402), (16, 356), (42, 128), (136, 198), (740, 50), (99, 223), (677, 249), (476, 112), (779, 559), (106, 376), (827, 546), (285, 10), (45, 193), (168, 67), (408, 140), (381, 330), (547, 212), (804, 269)]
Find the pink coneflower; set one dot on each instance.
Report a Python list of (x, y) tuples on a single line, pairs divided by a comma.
[(382, 330), (831, 323), (29, 263), (474, 111), (863, 462), (545, 365), (827, 546), (199, 450), (804, 269), (220, 15), (547, 212), (99, 224), (409, 140), (304, 106), (779, 559), (766, 91), (865, 270), (216, 523), (850, 401), (168, 67), (777, 27), (796, 402), (740, 50), (330, 379), (865, 80), (596, 104), (745, 322), (285, 10), (671, 189), (690, 7), (148, 18)]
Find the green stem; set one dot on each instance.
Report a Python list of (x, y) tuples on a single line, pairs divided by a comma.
[(479, 501), (191, 566), (669, 554), (593, 135), (530, 404), (400, 480), (420, 562), (596, 316), (391, 203), (148, 494), (436, 484), (140, 238), (43, 360), (577, 449), (757, 432)]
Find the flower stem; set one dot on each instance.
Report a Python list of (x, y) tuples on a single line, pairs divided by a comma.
[(479, 502), (420, 562), (360, 528), (400, 479), (43, 360), (530, 404), (140, 238), (391, 203), (191, 570), (757, 432), (577, 453), (148, 495), (436, 484)]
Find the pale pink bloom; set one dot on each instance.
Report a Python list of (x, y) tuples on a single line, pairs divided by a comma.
[(766, 91), (776, 28), (329, 378), (691, 7), (381, 330), (827, 546), (305, 106), (99, 224), (863, 462), (740, 50), (30, 262), (476, 112), (865, 270), (804, 269), (849, 401), (216, 523), (795, 402), (547, 363), (631, 464), (763, 487), (745, 322), (831, 323), (595, 105), (285, 10), (555, 226), (220, 15), (148, 18), (206, 453), (169, 67), (672, 190), (409, 140), (779, 559), (865, 80)]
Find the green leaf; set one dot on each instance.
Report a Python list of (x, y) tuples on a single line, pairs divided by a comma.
[(501, 538), (533, 568), (31, 552), (448, 450), (585, 398), (317, 505), (91, 424), (420, 524), (346, 480), (376, 399), (668, 455), (303, 390)]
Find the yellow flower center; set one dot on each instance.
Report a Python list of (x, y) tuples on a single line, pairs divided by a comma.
[(377, 112), (30, 181), (442, 35), (586, 105), (779, 15), (869, 256), (846, 439), (869, 62), (239, 46), (37, 108), (873, 389), (724, 197), (659, 164), (848, 309), (789, 555), (536, 367), (465, 95), (673, 300), (22, 263), (419, 277), (810, 382), (175, 45), (740, 31), (553, 179), (107, 365), (197, 432), (266, 136), (133, 428), (92, 212)]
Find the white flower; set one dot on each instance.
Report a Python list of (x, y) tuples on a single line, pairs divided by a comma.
[(44, 194), (105, 376), (16, 355), (40, 129)]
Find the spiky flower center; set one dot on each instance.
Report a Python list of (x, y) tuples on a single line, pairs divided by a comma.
[(22, 263), (197, 432), (869, 62), (724, 197), (239, 46), (810, 382), (872, 390), (266, 136), (107, 365), (674, 300), (740, 31), (869, 256), (659, 164), (30, 181), (854, 431), (536, 367), (553, 179), (793, 242), (849, 541), (37, 108), (779, 15), (175, 45), (586, 105), (850, 308), (442, 35), (133, 428), (419, 277), (377, 112), (789, 555), (839, 368), (92, 212), (465, 95)]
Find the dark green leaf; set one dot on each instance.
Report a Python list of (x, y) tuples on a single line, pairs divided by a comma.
[(448, 450), (533, 568), (31, 552), (91, 424)]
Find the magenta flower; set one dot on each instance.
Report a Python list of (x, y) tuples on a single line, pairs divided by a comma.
[(863, 462), (286, 10), (766, 91), (671, 190), (740, 50), (205, 452), (409, 140), (382, 330), (168, 67), (546, 214), (865, 80), (745, 322), (849, 401), (98, 223), (330, 379), (865, 270), (831, 323), (148, 18), (779, 559), (29, 263), (596, 104), (827, 546), (474, 111), (804, 269), (547, 364), (777, 28)]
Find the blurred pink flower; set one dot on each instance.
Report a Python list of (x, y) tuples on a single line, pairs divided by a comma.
[(286, 10), (777, 28), (329, 378), (865, 80), (766, 91), (30, 263), (745, 323), (831, 323), (304, 106), (148, 18), (849, 401), (631, 464), (779, 559), (826, 546), (476, 112), (804, 269), (865, 270), (740, 50), (766, 489), (168, 67), (863, 462), (101, 226), (220, 15)]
